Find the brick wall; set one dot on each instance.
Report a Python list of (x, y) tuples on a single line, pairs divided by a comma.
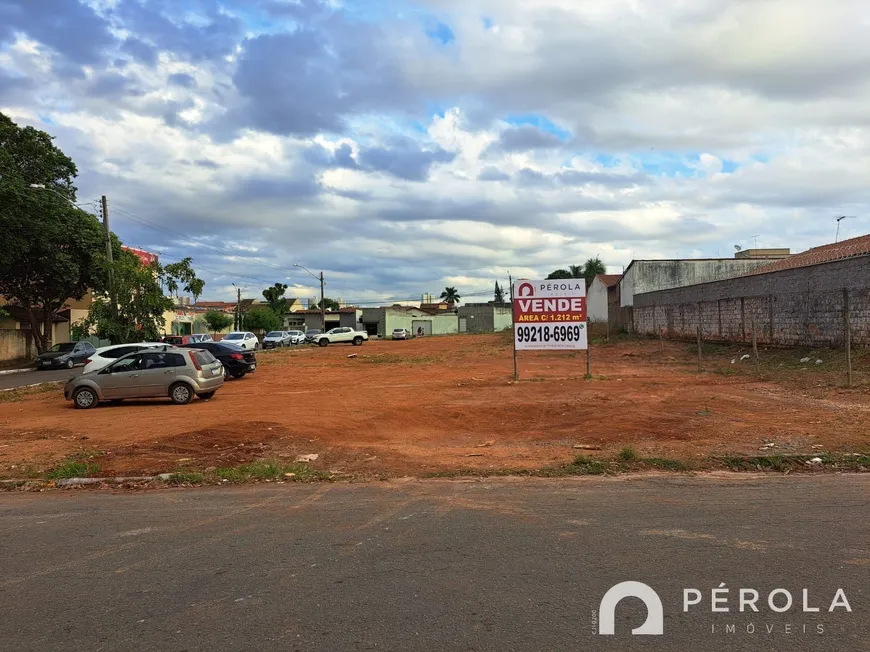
[(803, 306)]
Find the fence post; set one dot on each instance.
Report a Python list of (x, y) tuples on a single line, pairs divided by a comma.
[(755, 346), (847, 328), (700, 365)]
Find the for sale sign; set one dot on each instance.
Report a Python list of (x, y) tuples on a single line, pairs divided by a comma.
[(550, 314)]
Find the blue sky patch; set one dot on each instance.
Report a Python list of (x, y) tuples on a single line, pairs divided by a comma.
[(440, 32), (541, 122)]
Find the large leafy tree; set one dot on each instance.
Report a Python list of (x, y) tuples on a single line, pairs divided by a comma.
[(329, 304), (263, 318), (217, 320), (275, 298), (138, 316), (52, 251), (560, 274), (450, 295)]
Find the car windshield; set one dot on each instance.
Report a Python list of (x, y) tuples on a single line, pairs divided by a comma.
[(295, 332), (235, 336), (398, 330), (275, 334), (63, 348), (313, 332)]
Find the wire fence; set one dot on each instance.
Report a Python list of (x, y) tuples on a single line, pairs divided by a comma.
[(816, 319)]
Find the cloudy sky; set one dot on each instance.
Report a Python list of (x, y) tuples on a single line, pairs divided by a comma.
[(402, 146)]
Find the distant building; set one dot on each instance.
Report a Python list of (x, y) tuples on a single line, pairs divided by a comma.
[(602, 292), (382, 321), (485, 317)]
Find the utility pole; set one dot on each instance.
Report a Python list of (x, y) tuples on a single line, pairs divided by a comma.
[(109, 258), (322, 305)]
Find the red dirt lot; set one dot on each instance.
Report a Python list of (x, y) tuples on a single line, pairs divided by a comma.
[(440, 404)]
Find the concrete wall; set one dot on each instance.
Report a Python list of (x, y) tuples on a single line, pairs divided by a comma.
[(485, 317), (16, 344), (333, 320), (596, 302), (644, 276), (803, 306)]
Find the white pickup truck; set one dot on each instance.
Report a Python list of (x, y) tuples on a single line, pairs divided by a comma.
[(343, 334)]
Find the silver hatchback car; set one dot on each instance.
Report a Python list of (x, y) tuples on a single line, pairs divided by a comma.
[(178, 374)]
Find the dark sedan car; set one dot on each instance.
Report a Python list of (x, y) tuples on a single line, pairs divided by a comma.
[(236, 361), (66, 355), (311, 334)]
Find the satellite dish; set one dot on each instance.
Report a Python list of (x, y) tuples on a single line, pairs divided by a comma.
[(737, 247)]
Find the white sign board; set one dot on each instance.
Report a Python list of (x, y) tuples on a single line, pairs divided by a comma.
[(550, 315)]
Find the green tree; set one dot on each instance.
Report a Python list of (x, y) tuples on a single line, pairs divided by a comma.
[(498, 296), (577, 271), (275, 298), (263, 318), (450, 295), (52, 251), (141, 301), (330, 304), (141, 304), (592, 268), (217, 320), (560, 274), (181, 275)]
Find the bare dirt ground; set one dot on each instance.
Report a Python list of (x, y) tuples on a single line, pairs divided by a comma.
[(447, 403)]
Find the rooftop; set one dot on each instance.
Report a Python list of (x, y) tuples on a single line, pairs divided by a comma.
[(828, 253), (609, 280)]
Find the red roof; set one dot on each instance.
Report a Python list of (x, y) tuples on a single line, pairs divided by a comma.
[(829, 253), (609, 280)]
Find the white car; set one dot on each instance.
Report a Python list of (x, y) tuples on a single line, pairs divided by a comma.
[(296, 337), (108, 354), (342, 334), (243, 339), (401, 334)]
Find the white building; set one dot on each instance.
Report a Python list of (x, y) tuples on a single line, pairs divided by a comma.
[(602, 294)]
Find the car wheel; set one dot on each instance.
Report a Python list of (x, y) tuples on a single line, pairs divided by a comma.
[(70, 364), (85, 398), (256, 346), (226, 373), (181, 394), (206, 395), (357, 341), (323, 342)]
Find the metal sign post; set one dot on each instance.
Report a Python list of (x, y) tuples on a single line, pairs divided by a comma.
[(514, 339)]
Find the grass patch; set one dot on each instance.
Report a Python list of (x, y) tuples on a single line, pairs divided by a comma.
[(664, 464), (21, 393), (584, 465), (73, 468), (627, 455), (395, 358), (269, 470), (186, 478)]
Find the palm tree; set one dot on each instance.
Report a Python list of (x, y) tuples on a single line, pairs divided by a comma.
[(577, 271), (450, 295), (592, 268)]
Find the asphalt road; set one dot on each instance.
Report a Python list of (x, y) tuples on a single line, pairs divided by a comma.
[(435, 565), (10, 381)]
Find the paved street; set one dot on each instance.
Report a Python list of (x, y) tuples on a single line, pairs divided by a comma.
[(434, 565), (9, 381)]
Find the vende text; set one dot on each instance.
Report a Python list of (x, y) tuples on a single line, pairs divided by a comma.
[(551, 305)]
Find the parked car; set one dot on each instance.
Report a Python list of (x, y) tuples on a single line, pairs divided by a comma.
[(401, 334), (297, 337), (342, 334), (236, 361), (106, 355), (276, 339), (178, 374), (68, 355), (247, 341), (180, 340), (311, 334)]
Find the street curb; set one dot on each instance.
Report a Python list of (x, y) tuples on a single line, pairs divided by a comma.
[(16, 371)]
